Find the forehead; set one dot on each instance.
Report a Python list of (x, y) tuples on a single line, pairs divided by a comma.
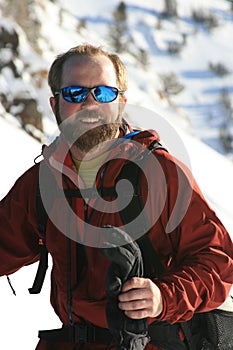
[(81, 63)]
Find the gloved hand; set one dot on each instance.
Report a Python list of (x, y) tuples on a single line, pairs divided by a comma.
[(129, 334)]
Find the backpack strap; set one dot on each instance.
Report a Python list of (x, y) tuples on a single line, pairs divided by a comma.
[(41, 271), (42, 218), (132, 172), (152, 265)]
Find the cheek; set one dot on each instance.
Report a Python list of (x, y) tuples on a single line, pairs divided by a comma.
[(112, 111), (67, 109)]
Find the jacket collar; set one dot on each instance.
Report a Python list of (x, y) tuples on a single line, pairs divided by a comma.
[(129, 145)]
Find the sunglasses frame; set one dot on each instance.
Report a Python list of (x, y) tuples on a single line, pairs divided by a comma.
[(88, 90)]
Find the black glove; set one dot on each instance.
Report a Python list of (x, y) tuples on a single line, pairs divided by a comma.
[(129, 334)]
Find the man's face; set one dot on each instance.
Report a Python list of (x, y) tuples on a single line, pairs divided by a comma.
[(88, 123)]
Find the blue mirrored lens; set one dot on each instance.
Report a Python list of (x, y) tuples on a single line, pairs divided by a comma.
[(105, 94), (78, 94), (75, 94)]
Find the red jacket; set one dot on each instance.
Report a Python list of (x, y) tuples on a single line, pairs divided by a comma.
[(191, 242)]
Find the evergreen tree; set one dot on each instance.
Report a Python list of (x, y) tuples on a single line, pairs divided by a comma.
[(225, 135), (170, 8), (118, 30), (231, 3)]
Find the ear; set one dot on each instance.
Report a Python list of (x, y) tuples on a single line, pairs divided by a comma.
[(52, 102), (123, 100), (122, 103)]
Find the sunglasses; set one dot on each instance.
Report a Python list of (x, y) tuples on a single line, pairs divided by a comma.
[(78, 94)]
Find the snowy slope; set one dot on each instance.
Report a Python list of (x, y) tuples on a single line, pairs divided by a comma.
[(18, 151), (197, 107)]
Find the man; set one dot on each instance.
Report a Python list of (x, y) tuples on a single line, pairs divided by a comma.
[(88, 86)]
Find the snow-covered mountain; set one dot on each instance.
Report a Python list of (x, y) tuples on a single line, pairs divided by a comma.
[(182, 119), (179, 57)]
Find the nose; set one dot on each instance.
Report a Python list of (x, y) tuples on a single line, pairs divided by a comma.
[(90, 100)]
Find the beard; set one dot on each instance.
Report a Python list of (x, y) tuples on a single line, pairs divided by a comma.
[(96, 136), (86, 140)]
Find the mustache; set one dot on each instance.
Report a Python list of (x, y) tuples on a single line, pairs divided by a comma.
[(70, 126), (85, 114)]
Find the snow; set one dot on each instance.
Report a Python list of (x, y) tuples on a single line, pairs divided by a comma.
[(16, 159), (181, 128)]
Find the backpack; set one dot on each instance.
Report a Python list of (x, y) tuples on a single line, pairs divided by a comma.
[(205, 331)]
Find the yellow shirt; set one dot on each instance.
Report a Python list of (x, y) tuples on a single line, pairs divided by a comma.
[(88, 169)]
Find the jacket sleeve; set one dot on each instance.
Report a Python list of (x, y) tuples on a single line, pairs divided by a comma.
[(18, 226), (194, 245)]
